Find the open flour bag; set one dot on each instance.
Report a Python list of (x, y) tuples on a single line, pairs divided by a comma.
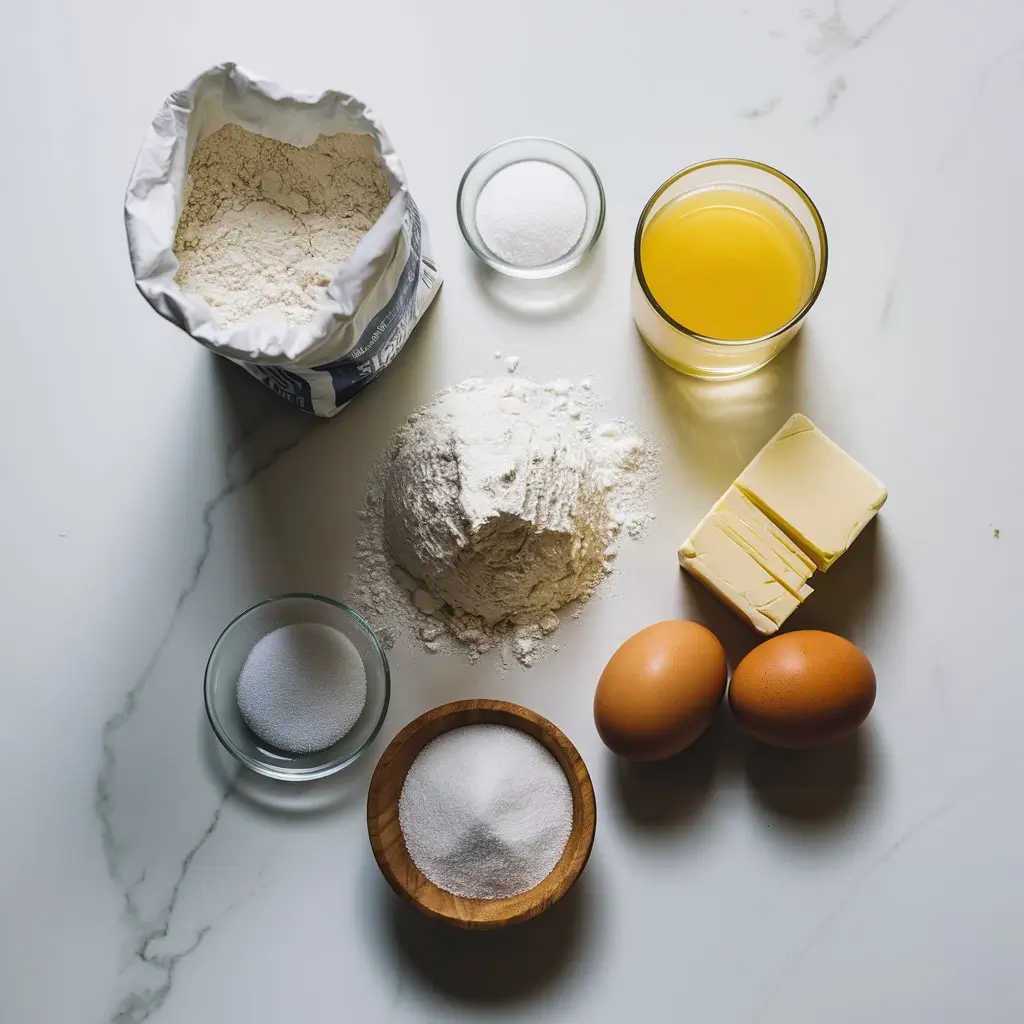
[(309, 267)]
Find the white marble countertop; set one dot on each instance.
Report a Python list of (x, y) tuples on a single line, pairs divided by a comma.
[(153, 491)]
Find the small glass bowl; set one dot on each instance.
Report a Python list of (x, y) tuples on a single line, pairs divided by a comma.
[(714, 358), (229, 654), (515, 151)]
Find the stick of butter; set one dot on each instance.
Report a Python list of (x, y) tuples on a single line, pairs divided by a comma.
[(732, 572), (798, 506), (753, 530), (812, 489)]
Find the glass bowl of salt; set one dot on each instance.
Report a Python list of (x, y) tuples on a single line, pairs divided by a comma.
[(297, 687), (531, 207)]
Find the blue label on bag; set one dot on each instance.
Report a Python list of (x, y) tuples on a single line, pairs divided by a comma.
[(322, 390), (285, 384), (385, 335)]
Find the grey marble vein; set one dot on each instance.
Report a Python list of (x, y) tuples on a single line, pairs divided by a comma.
[(835, 37), (762, 109), (143, 1001), (137, 1006), (922, 825), (887, 302), (979, 93), (104, 795), (835, 90)]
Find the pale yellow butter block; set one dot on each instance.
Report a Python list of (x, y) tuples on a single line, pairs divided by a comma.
[(735, 502), (737, 517), (812, 489), (736, 578)]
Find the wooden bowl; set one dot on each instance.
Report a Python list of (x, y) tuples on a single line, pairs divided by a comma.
[(389, 844)]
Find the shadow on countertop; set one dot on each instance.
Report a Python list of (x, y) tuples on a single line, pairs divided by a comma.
[(663, 799), (815, 792), (713, 428), (553, 298), (272, 798), (856, 593), (486, 968), (851, 599)]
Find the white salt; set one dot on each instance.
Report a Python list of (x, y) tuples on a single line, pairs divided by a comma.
[(485, 811), (302, 687), (531, 213)]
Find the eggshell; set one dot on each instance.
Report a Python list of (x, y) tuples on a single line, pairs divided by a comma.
[(660, 690), (802, 689)]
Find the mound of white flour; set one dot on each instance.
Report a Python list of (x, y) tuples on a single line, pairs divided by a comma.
[(493, 502), (497, 504)]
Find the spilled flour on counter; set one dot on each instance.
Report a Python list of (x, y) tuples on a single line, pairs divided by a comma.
[(496, 505)]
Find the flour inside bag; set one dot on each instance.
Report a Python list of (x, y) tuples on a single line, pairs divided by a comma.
[(277, 229)]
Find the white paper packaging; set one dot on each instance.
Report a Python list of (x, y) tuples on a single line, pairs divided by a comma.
[(375, 298)]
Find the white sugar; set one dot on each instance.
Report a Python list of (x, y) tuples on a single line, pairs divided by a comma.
[(485, 811), (531, 213), (302, 687)]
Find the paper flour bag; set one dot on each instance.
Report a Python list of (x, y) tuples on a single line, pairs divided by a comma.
[(365, 307)]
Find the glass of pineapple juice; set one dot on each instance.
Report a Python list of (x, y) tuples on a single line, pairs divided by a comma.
[(729, 257)]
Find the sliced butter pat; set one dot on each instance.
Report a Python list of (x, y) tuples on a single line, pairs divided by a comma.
[(729, 571), (735, 502), (746, 524), (812, 489)]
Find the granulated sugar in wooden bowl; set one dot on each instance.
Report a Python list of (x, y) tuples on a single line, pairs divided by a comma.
[(485, 811)]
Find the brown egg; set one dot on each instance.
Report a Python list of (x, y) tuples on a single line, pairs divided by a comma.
[(660, 690), (802, 689)]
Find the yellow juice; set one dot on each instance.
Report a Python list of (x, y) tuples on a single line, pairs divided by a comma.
[(727, 262)]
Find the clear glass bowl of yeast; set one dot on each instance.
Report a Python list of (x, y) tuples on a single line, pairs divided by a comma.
[(532, 152), (229, 654), (729, 257)]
